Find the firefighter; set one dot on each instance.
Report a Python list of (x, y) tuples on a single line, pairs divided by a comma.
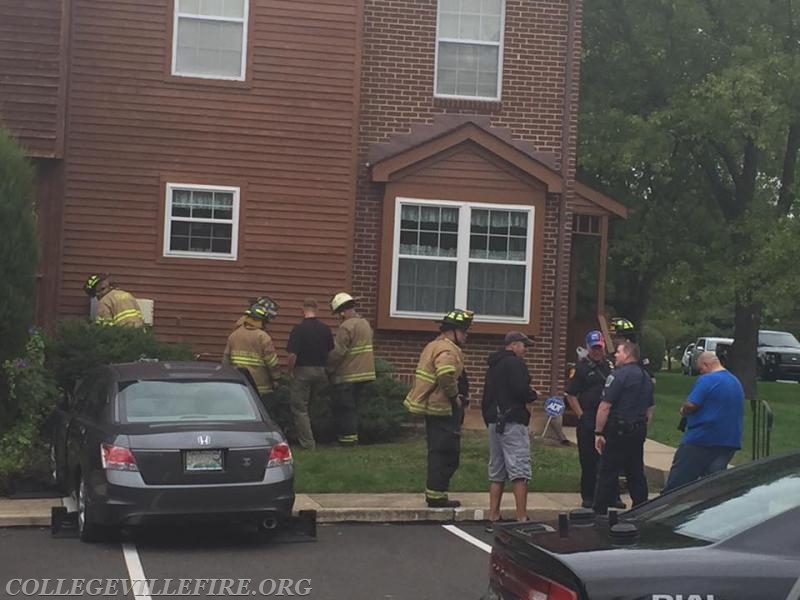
[(350, 366), (114, 306), (622, 329), (436, 396), (250, 347)]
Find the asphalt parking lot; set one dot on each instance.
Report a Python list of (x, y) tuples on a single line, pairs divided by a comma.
[(359, 562)]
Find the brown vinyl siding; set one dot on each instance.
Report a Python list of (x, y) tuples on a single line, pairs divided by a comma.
[(285, 137), (31, 92)]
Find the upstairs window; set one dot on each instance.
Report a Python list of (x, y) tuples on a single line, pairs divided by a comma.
[(469, 50), (202, 221), (475, 256), (209, 39)]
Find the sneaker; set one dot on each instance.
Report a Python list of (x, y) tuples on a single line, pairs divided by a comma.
[(442, 503)]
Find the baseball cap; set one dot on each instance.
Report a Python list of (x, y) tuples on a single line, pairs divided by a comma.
[(595, 338), (517, 336)]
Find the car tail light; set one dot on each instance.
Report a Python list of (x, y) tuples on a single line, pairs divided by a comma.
[(280, 455), (510, 577), (117, 458)]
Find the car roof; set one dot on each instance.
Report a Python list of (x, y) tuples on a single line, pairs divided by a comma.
[(716, 339), (153, 369)]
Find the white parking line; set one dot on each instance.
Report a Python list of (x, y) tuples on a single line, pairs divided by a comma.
[(468, 538), (140, 589), (794, 593)]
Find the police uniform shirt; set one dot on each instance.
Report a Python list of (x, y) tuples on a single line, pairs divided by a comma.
[(586, 384), (310, 340), (629, 390)]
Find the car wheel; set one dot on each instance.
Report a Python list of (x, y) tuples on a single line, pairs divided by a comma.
[(88, 531)]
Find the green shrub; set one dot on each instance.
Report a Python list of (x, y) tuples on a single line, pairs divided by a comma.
[(78, 346), (19, 250), (380, 412), (653, 346), (32, 390)]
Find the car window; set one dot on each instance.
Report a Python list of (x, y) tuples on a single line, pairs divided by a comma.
[(170, 401), (711, 345), (701, 343), (724, 506), (777, 338)]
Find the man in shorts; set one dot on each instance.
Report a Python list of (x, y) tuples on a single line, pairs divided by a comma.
[(506, 394)]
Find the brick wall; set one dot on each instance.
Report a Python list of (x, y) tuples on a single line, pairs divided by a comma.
[(397, 91)]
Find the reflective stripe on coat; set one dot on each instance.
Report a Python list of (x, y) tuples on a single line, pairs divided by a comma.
[(436, 379), (352, 358)]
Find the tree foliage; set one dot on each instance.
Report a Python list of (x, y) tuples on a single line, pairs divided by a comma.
[(692, 111)]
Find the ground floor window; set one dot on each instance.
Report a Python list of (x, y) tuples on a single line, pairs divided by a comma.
[(201, 221), (465, 255)]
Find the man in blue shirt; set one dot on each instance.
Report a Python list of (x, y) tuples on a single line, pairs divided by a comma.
[(714, 412)]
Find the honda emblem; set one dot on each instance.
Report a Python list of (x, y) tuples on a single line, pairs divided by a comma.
[(204, 440)]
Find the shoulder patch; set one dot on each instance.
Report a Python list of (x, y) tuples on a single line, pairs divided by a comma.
[(609, 380)]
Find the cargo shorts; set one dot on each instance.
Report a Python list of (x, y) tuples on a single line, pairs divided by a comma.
[(509, 453)]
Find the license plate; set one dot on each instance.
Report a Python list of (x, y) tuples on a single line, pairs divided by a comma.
[(203, 460)]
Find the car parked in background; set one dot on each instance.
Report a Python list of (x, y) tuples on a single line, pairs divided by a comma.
[(704, 344), (734, 535), (686, 359), (145, 441), (778, 355)]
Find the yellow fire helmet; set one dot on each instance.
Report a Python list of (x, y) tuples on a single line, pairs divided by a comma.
[(340, 301)]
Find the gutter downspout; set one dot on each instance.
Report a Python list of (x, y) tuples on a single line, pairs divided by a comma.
[(569, 71)]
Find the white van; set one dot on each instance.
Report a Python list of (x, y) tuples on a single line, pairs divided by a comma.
[(706, 343)]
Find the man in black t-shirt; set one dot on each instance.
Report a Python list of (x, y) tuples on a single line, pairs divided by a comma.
[(308, 347)]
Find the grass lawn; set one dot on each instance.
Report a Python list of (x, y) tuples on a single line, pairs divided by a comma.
[(400, 467), (783, 398)]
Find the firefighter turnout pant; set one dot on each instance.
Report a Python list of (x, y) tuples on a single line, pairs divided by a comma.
[(444, 449), (344, 406)]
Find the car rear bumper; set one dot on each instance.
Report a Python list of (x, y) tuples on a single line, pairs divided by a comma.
[(122, 498)]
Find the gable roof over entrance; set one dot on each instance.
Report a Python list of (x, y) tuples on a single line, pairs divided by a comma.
[(393, 160)]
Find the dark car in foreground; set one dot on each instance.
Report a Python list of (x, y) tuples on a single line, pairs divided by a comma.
[(778, 355), (732, 536), (144, 441)]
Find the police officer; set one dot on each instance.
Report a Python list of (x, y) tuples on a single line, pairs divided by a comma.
[(621, 428), (584, 391)]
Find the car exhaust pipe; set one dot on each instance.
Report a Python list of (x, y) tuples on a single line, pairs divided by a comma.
[(269, 523)]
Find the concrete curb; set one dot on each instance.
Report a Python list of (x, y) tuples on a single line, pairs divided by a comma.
[(347, 515)]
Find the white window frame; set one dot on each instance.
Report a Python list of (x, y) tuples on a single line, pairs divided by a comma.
[(234, 222), (500, 45), (462, 258), (244, 21)]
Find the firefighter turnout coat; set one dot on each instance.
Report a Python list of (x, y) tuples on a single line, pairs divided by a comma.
[(352, 359), (119, 308), (250, 347), (436, 379)]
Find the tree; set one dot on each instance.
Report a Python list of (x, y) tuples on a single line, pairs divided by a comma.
[(19, 248), (720, 88)]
